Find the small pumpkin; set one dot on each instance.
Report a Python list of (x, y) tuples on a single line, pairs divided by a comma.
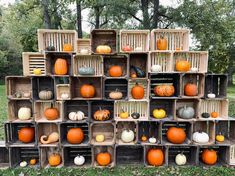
[(190, 89), (144, 138), (87, 91), (27, 94), (99, 138), (79, 160), (26, 134), (115, 95), (79, 115), (155, 157), (32, 161), (209, 156), (182, 66), (180, 159), (37, 71), (51, 113), (103, 49), (211, 95), (164, 90), (133, 75), (152, 140), (137, 91), (219, 137), (50, 48), (24, 113), (103, 159), (162, 43), (200, 137), (45, 94), (123, 114), (54, 159), (101, 115), (186, 112), (135, 115), (23, 164), (86, 71), (61, 66), (127, 136), (53, 137), (205, 115), (127, 48), (115, 71), (64, 96), (18, 94), (176, 135), (156, 68), (75, 136), (159, 113), (67, 47), (139, 72), (214, 114), (194, 69)]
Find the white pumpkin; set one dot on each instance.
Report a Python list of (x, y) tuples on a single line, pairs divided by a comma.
[(24, 113), (79, 115), (156, 68), (127, 136), (72, 116), (26, 94), (152, 140), (23, 164), (200, 137), (194, 69), (138, 49), (45, 95), (84, 51), (180, 159), (64, 96), (79, 160), (211, 95)]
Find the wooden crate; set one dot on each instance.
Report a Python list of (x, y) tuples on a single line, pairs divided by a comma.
[(216, 84), (232, 131), (83, 44), (112, 85), (64, 128), (56, 38), (4, 159), (129, 155), (207, 127), (45, 152), (162, 58), (168, 106), (121, 60), (142, 82), (32, 60), (149, 129), (197, 79), (62, 86), (209, 106), (138, 40), (148, 147), (104, 37), (138, 61), (107, 129), (120, 126), (224, 128), (232, 155), (18, 84), (47, 129), (69, 153), (77, 82), (74, 106), (140, 107), (165, 79), (14, 107), (187, 126), (100, 149), (197, 59), (40, 107), (19, 154), (177, 39)]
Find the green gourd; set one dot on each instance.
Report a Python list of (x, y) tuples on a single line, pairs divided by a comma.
[(86, 71), (139, 72), (205, 115)]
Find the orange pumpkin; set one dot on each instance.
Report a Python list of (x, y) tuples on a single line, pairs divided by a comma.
[(87, 91), (67, 47), (209, 156), (51, 113), (176, 135), (33, 161), (190, 89), (182, 66), (214, 114), (155, 157), (164, 90), (162, 43), (115, 71), (54, 159), (133, 75), (26, 134), (61, 66), (103, 159), (137, 91), (75, 136), (144, 138)]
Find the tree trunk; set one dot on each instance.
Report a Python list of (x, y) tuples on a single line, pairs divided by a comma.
[(46, 16), (155, 13), (146, 19), (97, 17), (79, 18)]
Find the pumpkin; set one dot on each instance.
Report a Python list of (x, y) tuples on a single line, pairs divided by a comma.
[(67, 47), (211, 95), (24, 113), (54, 159), (144, 138), (176, 135), (138, 48), (51, 113), (180, 159), (53, 137), (164, 90), (84, 51), (194, 69), (127, 48), (87, 91), (209, 156), (123, 114), (101, 114), (219, 137), (103, 159), (152, 140), (18, 94), (37, 71), (115, 71), (64, 96), (23, 164), (156, 68), (200, 137), (99, 138), (137, 91), (159, 113), (127, 136), (190, 89), (155, 157), (61, 66), (135, 115), (79, 115), (133, 75), (26, 134), (103, 49), (50, 48), (115, 95), (182, 66), (186, 112), (45, 95), (79, 160), (86, 71), (214, 114), (75, 136), (139, 72), (205, 115), (26, 94), (32, 161), (162, 43)]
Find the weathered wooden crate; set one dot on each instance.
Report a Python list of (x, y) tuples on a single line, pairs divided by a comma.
[(62, 86), (32, 60), (19, 154), (4, 159), (131, 107), (198, 60), (209, 106), (45, 152), (112, 85), (177, 39), (64, 128), (232, 131), (88, 61), (129, 155), (83, 45), (142, 82), (104, 37), (223, 127), (197, 79), (77, 82), (148, 147), (138, 40), (69, 153), (149, 129), (14, 107), (120, 126), (139, 60), (161, 58), (106, 129), (18, 84), (216, 84), (165, 79), (232, 155), (56, 38), (40, 107), (100, 149)]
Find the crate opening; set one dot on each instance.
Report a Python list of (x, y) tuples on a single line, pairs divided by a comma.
[(103, 149), (188, 104), (149, 147), (160, 62), (46, 152), (144, 84), (46, 129), (149, 130), (138, 65), (4, 159), (103, 105), (63, 92), (122, 126), (83, 46)]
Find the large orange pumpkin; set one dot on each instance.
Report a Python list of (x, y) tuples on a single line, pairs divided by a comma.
[(51, 113), (75, 136), (115, 71), (26, 134), (182, 66), (164, 90), (155, 157), (190, 89), (87, 91), (54, 159), (103, 159), (209, 156), (137, 91), (61, 66), (162, 43), (176, 135)]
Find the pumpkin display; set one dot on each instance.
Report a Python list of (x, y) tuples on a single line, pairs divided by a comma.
[(53, 137), (205, 115), (176, 135), (214, 114), (45, 94), (219, 137), (87, 91), (103, 49), (127, 48), (51, 113), (76, 116), (54, 159), (115, 95), (26, 134), (127, 136), (101, 115), (103, 158), (209, 156), (137, 91), (79, 160), (180, 159), (67, 47), (156, 68), (182, 65), (162, 43), (159, 113), (37, 71), (186, 112), (155, 157), (75, 136), (115, 71), (190, 89), (164, 90), (61, 66), (24, 113), (200, 137), (86, 71)]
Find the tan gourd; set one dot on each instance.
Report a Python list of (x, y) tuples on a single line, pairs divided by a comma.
[(53, 137)]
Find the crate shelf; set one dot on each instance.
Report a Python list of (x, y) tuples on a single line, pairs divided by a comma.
[(99, 149), (45, 152), (83, 45), (194, 103), (223, 128), (62, 90), (138, 61), (232, 155), (120, 126), (4, 159), (148, 147), (144, 83)]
